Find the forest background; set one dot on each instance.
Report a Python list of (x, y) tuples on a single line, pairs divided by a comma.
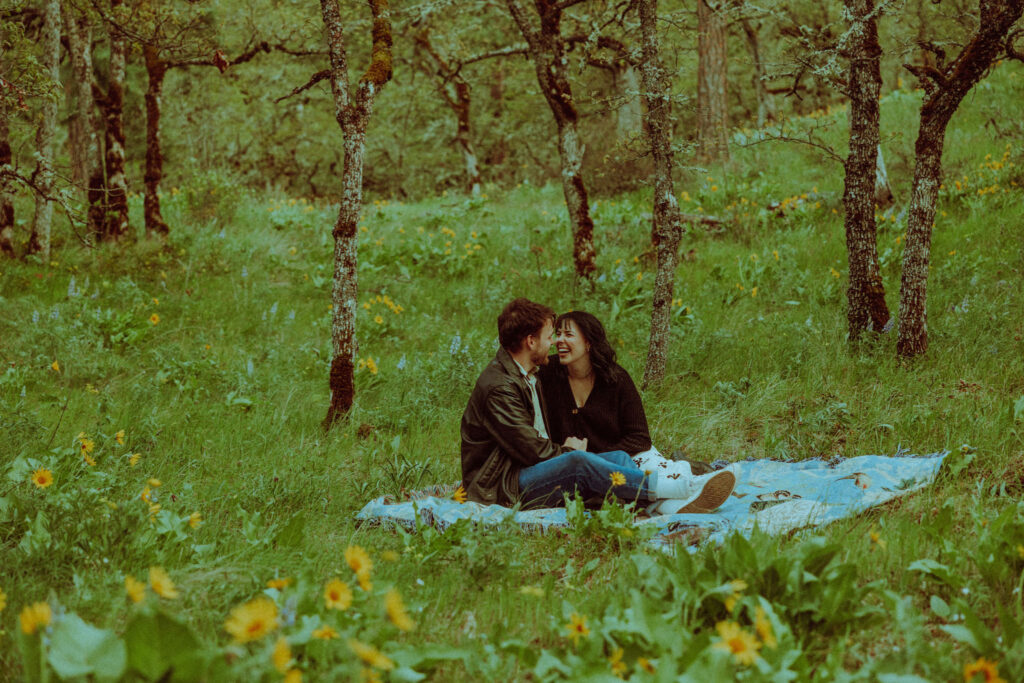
[(221, 222)]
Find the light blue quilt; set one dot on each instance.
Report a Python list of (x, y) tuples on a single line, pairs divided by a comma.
[(775, 496)]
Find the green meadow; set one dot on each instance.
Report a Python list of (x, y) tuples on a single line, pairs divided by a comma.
[(173, 392)]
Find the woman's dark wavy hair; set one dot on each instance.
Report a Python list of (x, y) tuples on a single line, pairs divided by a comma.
[(602, 355)]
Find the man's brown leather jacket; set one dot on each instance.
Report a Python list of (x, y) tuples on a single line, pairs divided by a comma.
[(498, 436)]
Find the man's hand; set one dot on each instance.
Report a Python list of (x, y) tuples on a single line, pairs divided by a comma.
[(576, 444)]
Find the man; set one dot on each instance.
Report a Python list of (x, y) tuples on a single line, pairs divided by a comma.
[(507, 456)]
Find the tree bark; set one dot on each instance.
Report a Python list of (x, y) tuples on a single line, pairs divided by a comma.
[(866, 307), (39, 241), (945, 88), (630, 114), (79, 32), (883, 191), (352, 113), (712, 102), (547, 52), (766, 110), (667, 230), (156, 69), (115, 219), (6, 197)]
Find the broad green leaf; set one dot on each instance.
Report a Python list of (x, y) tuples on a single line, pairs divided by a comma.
[(940, 607), (156, 642), (79, 649)]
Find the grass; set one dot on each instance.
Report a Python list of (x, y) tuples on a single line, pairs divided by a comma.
[(223, 398)]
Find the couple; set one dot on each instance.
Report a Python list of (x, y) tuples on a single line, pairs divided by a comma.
[(534, 431)]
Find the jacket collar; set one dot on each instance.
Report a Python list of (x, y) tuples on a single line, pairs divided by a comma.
[(510, 366)]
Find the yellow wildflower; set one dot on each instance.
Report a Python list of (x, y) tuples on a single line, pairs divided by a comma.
[(740, 643), (279, 584), (33, 616), (161, 583), (396, 611), (618, 478), (577, 627), (645, 664), (764, 628), (42, 478), (775, 253), (55, 366), (753, 291), (295, 675), (358, 559), (154, 319), (325, 633), (119, 437), (460, 495), (87, 445), (364, 581), (194, 520), (3, 600), (370, 655), (89, 460), (371, 365), (389, 556), (337, 594), (876, 539), (615, 662), (133, 460), (147, 494), (136, 589), (154, 482), (989, 671), (282, 655), (252, 620)]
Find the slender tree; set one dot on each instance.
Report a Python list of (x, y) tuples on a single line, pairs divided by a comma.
[(115, 211), (766, 109), (6, 196), (667, 229), (546, 48), (945, 86), (352, 110), (39, 241), (712, 102), (866, 307), (78, 27)]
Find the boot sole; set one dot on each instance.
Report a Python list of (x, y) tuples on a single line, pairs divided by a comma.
[(713, 495)]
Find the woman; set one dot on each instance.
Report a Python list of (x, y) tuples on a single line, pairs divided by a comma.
[(590, 396)]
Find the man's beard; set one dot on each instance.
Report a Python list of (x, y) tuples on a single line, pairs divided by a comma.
[(539, 359)]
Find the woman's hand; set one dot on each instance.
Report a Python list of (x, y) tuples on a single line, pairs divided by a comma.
[(576, 444)]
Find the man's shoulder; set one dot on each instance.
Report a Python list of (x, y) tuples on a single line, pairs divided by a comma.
[(494, 374)]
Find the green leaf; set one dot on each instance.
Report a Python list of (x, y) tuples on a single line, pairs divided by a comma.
[(292, 535), (940, 607), (1018, 409), (156, 643), (963, 634), (79, 649)]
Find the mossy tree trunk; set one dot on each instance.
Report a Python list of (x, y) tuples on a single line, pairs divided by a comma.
[(667, 230), (6, 196), (945, 85), (866, 307), (352, 112), (546, 49), (712, 103), (156, 69), (79, 32), (39, 241), (115, 215)]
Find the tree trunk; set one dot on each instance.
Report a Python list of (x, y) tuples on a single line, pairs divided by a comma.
[(866, 307), (766, 111), (156, 69), (352, 113), (456, 93), (79, 32), (944, 89), (712, 103), (39, 242), (115, 220), (667, 230), (547, 52), (6, 198), (630, 114)]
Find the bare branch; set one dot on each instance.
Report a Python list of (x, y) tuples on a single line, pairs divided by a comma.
[(1011, 51), (501, 52), (930, 77), (314, 79), (829, 152)]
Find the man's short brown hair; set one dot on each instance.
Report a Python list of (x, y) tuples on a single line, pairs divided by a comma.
[(519, 319)]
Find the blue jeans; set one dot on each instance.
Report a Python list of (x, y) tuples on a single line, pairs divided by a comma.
[(544, 484)]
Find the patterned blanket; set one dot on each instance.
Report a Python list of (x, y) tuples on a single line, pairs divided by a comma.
[(775, 496)]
